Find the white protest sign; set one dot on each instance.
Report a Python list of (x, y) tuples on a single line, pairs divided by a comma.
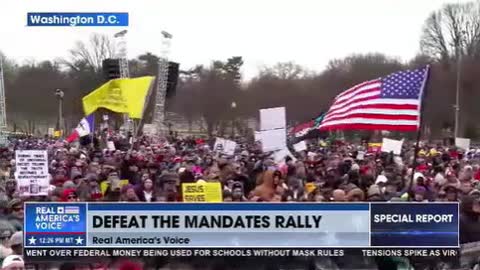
[(225, 146), (258, 136), (149, 129), (361, 155), (389, 145), (301, 146), (32, 172), (51, 132), (272, 118), (279, 156), (111, 146), (275, 139), (463, 143)]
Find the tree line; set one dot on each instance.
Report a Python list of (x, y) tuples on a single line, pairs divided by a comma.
[(208, 91)]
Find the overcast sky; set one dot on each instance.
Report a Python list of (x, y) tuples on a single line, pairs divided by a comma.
[(264, 32)]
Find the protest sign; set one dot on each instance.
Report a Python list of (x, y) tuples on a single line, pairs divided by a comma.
[(3, 139), (272, 118), (301, 146), (279, 156), (225, 146), (360, 155), (202, 192), (272, 140), (51, 132), (149, 129), (463, 143), (105, 184), (389, 145), (374, 147), (258, 136), (310, 187), (111, 146), (32, 172)]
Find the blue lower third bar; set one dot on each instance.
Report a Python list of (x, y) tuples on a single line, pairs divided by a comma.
[(228, 207), (76, 19)]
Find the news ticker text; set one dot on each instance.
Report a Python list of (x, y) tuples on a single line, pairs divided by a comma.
[(44, 253)]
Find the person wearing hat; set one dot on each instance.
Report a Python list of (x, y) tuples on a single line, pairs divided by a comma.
[(16, 243), (15, 211), (10, 188), (420, 192), (374, 193), (381, 181), (475, 193), (188, 176), (451, 193), (356, 195), (238, 194), (6, 231), (69, 195), (13, 262)]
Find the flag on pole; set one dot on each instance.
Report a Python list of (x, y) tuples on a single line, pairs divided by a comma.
[(125, 95), (389, 103), (304, 128), (84, 128)]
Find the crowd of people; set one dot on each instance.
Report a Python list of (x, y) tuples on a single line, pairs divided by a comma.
[(153, 170)]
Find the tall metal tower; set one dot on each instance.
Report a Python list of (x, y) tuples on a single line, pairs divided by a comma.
[(122, 57), (122, 53), (3, 111), (162, 79)]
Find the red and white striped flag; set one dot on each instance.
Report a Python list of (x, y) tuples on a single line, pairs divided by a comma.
[(389, 103)]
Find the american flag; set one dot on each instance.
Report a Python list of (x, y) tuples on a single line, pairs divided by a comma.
[(72, 210), (389, 103)]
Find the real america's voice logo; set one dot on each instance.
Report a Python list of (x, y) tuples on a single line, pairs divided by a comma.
[(55, 225), (76, 19)]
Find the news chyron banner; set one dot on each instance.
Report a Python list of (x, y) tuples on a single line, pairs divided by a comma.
[(112, 229)]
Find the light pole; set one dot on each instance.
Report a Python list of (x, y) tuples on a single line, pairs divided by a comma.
[(459, 52), (233, 106), (60, 125)]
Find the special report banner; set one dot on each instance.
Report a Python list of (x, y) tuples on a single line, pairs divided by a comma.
[(240, 225)]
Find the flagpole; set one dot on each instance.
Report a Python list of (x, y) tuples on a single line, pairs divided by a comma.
[(92, 133), (423, 94)]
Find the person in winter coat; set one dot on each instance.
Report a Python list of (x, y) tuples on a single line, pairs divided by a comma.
[(146, 192), (266, 189), (69, 195), (15, 210), (469, 220)]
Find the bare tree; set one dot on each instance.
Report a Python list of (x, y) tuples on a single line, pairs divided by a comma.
[(284, 71), (453, 29), (91, 54)]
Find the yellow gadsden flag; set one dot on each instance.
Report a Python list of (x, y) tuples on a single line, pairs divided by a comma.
[(120, 95)]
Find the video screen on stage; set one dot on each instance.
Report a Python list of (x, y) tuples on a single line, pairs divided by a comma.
[(239, 135)]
